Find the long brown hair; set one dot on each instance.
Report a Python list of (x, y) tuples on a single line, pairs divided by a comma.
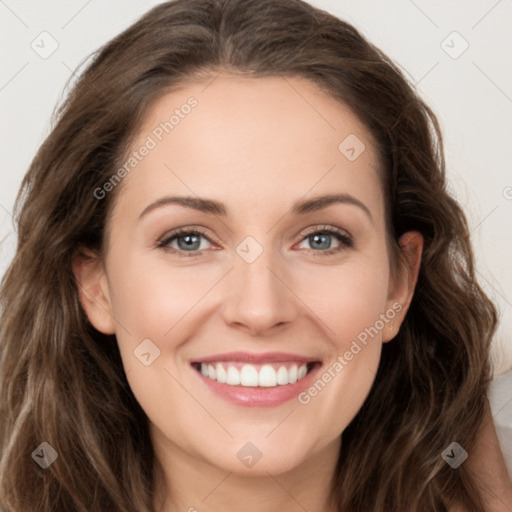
[(62, 382)]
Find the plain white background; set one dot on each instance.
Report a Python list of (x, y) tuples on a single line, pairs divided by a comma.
[(470, 91)]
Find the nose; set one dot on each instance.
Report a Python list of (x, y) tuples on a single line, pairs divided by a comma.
[(259, 299)]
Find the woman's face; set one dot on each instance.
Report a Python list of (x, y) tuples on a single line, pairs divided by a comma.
[(272, 282)]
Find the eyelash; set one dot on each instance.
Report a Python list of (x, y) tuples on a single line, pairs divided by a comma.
[(344, 239)]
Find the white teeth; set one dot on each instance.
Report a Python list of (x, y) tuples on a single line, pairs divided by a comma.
[(221, 374), (267, 376), (233, 376), (248, 375), (292, 375), (282, 376)]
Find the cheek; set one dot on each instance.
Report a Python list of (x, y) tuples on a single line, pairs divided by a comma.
[(348, 298), (352, 302), (158, 302), (152, 297)]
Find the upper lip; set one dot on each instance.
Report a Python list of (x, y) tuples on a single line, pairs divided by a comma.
[(256, 358)]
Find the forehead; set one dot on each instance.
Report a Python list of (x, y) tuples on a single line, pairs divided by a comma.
[(251, 142)]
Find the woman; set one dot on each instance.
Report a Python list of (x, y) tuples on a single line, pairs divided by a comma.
[(240, 282)]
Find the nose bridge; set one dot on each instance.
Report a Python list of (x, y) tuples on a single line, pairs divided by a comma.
[(256, 296)]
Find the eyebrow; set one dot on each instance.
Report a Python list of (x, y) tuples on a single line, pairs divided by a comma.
[(216, 208)]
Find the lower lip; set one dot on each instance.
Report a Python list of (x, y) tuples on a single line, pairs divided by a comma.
[(259, 396)]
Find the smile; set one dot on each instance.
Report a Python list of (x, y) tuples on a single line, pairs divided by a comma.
[(256, 380), (254, 375)]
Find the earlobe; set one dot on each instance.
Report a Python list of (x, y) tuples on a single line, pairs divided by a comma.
[(403, 284), (92, 286)]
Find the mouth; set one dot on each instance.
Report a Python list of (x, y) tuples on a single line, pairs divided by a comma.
[(256, 379), (269, 375)]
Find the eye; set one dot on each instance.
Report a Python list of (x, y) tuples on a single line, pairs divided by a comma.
[(321, 240), (191, 242), (185, 241)]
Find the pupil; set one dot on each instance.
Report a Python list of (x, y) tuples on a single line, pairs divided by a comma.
[(189, 241), (319, 238)]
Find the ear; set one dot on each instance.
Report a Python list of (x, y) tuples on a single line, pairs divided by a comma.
[(93, 289), (403, 282)]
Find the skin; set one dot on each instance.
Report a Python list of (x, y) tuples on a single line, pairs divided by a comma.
[(257, 146)]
